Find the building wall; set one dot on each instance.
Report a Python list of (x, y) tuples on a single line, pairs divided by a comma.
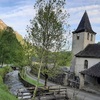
[(82, 42), (79, 66), (88, 41), (77, 45)]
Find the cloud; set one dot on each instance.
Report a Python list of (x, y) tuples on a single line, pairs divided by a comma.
[(93, 11), (80, 3), (18, 16), (77, 13), (20, 11)]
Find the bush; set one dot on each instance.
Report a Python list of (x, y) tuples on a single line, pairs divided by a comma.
[(4, 70), (4, 87), (1, 80), (7, 69), (5, 95)]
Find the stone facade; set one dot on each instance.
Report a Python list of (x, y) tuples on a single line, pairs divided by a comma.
[(81, 40)]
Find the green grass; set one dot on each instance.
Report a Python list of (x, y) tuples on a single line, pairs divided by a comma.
[(5, 94), (31, 81)]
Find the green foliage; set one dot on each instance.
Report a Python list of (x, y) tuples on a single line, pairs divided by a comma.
[(98, 42), (1, 80), (29, 51), (47, 34), (11, 50), (4, 70), (64, 58), (4, 94)]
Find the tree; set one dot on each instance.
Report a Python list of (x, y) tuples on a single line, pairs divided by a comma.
[(28, 50), (48, 32), (10, 48), (64, 58)]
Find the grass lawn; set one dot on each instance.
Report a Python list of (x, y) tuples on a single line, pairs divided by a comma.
[(31, 81), (5, 95)]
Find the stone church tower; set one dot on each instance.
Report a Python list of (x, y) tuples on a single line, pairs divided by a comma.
[(83, 35)]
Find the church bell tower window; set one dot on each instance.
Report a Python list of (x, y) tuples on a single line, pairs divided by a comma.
[(88, 36), (91, 37), (78, 37), (85, 64)]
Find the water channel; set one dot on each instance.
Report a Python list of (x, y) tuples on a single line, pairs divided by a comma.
[(13, 82)]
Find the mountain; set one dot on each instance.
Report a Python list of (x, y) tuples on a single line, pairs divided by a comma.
[(18, 36)]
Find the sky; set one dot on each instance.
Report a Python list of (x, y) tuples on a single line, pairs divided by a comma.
[(17, 14)]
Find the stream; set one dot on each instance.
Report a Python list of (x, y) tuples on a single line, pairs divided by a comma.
[(13, 82)]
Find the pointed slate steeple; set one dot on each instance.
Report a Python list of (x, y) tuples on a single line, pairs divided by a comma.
[(84, 25)]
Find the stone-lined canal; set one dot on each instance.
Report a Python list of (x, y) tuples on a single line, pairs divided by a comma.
[(13, 82)]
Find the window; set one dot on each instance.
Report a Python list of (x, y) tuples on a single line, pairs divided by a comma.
[(88, 36), (91, 37), (85, 64), (78, 37)]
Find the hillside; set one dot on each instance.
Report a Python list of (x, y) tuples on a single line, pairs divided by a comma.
[(18, 36)]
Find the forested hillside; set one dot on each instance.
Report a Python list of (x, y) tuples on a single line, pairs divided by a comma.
[(4, 26)]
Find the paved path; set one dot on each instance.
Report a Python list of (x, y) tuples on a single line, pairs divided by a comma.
[(79, 94), (35, 78)]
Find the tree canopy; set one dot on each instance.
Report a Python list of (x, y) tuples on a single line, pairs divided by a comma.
[(48, 32), (10, 49)]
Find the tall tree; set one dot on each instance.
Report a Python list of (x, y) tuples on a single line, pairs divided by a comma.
[(29, 50), (48, 31), (11, 49)]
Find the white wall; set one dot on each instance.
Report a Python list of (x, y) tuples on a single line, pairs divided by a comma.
[(79, 66), (77, 45), (86, 41)]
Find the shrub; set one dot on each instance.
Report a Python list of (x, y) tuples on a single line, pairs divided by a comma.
[(1, 80), (4, 70)]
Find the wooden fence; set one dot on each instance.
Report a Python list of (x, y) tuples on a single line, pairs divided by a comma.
[(52, 93)]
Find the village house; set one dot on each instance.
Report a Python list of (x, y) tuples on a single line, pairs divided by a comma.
[(86, 53)]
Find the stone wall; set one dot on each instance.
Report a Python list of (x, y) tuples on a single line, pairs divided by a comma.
[(25, 83)]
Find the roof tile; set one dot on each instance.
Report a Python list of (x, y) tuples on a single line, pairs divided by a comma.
[(91, 51), (93, 71)]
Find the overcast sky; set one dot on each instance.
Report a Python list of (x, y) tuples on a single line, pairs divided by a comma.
[(17, 13)]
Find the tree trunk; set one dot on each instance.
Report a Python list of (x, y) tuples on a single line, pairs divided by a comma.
[(46, 80), (34, 93)]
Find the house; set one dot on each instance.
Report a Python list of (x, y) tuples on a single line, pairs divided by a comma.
[(86, 53)]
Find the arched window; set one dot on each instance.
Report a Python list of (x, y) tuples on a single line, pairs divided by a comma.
[(87, 36), (91, 37), (85, 64)]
